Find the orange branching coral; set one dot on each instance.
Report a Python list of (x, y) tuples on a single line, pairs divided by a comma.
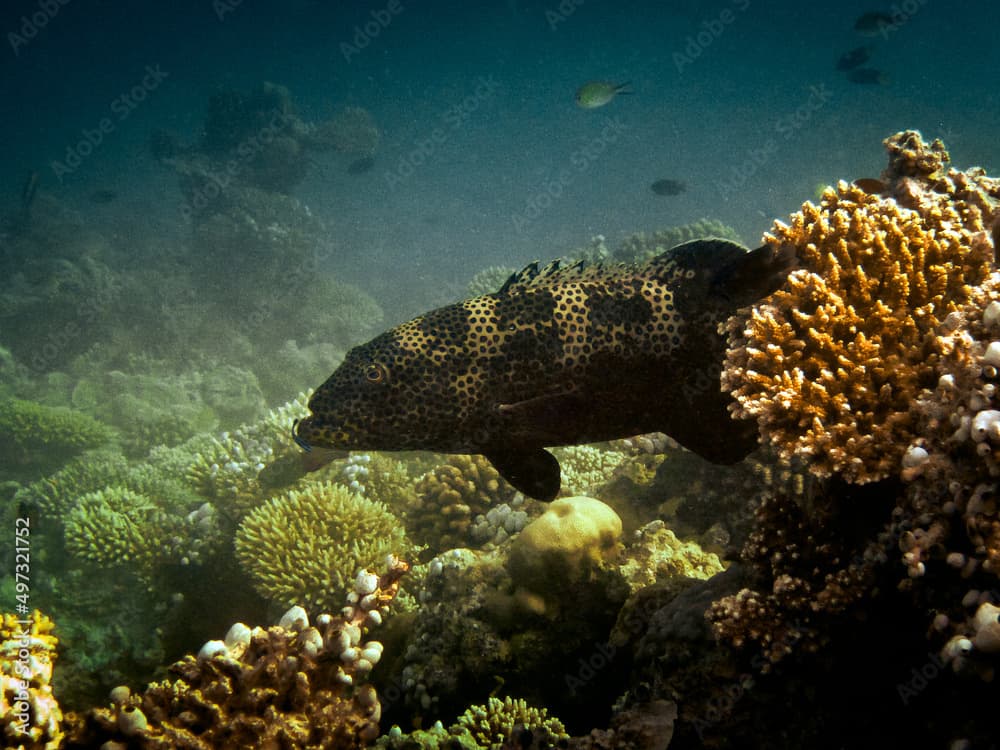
[(293, 685), (830, 365)]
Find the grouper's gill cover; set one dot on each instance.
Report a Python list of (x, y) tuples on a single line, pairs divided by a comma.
[(557, 356)]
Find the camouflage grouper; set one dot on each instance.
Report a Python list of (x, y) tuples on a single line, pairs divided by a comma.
[(558, 356)]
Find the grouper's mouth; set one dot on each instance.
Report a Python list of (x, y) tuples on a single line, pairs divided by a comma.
[(312, 439), (297, 435)]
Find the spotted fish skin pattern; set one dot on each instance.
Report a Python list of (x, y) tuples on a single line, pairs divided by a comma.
[(558, 356)]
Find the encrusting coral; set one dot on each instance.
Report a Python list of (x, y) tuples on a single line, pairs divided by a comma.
[(306, 545), (293, 685), (830, 365), (564, 545), (29, 713)]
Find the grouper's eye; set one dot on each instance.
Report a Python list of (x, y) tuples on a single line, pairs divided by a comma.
[(376, 373)]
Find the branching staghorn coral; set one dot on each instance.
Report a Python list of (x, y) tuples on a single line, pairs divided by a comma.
[(830, 365), (493, 724)]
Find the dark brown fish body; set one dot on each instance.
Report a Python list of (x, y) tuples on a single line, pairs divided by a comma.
[(668, 187), (853, 59), (558, 356)]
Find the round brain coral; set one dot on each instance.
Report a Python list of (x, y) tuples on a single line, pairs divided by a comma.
[(306, 546), (831, 364)]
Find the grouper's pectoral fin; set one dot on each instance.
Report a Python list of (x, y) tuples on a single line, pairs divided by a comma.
[(533, 471)]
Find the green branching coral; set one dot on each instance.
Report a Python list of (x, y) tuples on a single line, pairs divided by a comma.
[(117, 526), (390, 482), (28, 426), (227, 469), (306, 546), (491, 727), (55, 494), (492, 724)]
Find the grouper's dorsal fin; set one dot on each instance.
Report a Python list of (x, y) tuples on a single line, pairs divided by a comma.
[(554, 272)]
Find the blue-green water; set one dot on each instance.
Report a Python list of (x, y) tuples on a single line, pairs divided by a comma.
[(204, 205)]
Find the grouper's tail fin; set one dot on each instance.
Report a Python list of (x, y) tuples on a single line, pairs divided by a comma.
[(754, 275)]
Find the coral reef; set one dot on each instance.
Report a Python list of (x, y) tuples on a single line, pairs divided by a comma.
[(58, 295), (119, 527), (55, 494), (948, 521), (31, 433), (585, 467), (485, 727), (451, 497), (30, 716), (565, 544), (293, 685), (831, 365), (237, 470), (657, 554), (306, 545), (351, 131), (489, 280)]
